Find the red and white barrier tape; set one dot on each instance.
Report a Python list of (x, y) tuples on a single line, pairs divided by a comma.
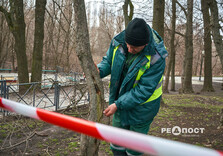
[(136, 141)]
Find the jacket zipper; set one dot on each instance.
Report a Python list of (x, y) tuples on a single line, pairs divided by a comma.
[(134, 66), (132, 75)]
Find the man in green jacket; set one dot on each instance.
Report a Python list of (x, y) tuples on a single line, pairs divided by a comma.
[(136, 62)]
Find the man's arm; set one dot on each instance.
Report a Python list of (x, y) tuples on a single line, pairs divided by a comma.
[(105, 65)]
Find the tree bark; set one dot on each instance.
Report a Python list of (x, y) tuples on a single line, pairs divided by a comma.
[(167, 75), (171, 62), (216, 30), (16, 23), (207, 48), (158, 16), (89, 146), (3, 54), (128, 14), (188, 62), (38, 41), (172, 46), (158, 25)]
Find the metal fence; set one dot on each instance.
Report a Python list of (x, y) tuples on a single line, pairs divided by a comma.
[(56, 91), (53, 97)]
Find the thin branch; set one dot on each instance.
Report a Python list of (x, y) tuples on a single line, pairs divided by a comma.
[(56, 20), (62, 12), (47, 151), (179, 33), (131, 9), (184, 10), (7, 16), (21, 142)]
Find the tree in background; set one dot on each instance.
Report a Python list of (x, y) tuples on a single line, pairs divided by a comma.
[(207, 48), (38, 41), (128, 14), (158, 20), (59, 37), (158, 16), (89, 145), (16, 23), (186, 77), (5, 39), (172, 46), (171, 60), (215, 26)]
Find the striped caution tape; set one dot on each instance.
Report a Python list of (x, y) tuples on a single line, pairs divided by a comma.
[(136, 141)]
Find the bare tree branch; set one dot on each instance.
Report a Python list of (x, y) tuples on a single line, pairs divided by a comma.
[(19, 143), (184, 10), (62, 12), (7, 16), (179, 33), (57, 20)]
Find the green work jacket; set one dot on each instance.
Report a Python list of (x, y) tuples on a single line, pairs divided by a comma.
[(131, 101)]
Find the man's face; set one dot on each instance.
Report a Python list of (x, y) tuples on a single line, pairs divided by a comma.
[(134, 49)]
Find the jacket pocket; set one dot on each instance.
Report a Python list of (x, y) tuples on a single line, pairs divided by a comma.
[(145, 112)]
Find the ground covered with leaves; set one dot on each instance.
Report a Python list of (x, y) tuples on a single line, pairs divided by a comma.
[(198, 115)]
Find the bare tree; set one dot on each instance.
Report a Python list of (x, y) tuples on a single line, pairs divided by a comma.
[(59, 34), (186, 77), (38, 41), (16, 23), (171, 61), (5, 39), (89, 146), (207, 48), (68, 42), (216, 30)]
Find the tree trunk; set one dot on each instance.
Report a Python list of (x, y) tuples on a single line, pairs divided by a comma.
[(171, 62), (172, 46), (187, 79), (5, 38), (16, 23), (38, 41), (167, 75), (128, 14), (58, 36), (18, 31), (158, 16), (2, 41), (158, 25), (207, 48), (49, 45), (89, 146), (216, 30), (13, 58), (68, 36)]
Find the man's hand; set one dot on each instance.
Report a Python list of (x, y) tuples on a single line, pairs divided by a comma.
[(110, 110)]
